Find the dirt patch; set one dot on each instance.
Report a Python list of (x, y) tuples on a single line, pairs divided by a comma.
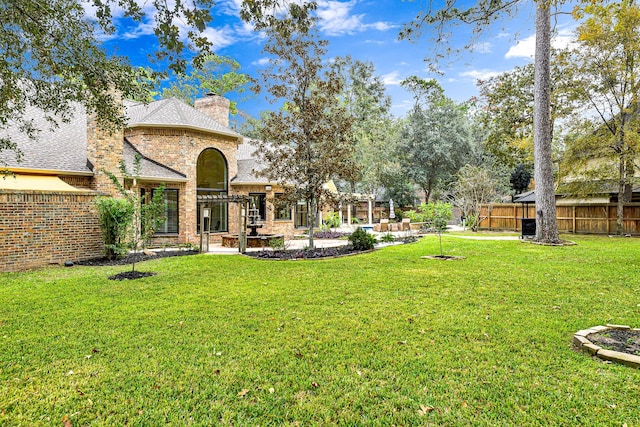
[(622, 340), (443, 257), (131, 275)]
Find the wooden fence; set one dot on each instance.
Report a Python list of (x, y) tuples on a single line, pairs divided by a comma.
[(597, 218)]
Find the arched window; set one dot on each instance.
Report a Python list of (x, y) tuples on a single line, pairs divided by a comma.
[(211, 178)]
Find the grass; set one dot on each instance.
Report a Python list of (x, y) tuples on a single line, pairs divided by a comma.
[(384, 338)]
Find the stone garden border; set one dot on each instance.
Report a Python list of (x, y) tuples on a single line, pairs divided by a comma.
[(581, 342)]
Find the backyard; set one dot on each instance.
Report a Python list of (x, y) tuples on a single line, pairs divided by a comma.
[(382, 338)]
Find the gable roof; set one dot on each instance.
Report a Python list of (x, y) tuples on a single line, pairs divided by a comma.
[(61, 149), (173, 113)]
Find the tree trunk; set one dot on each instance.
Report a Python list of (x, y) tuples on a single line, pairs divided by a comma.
[(312, 215), (546, 222), (621, 197)]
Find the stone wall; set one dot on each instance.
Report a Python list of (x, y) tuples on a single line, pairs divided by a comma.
[(41, 228)]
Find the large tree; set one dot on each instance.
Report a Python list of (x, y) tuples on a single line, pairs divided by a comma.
[(52, 56), (435, 141), (216, 74), (364, 95), (309, 140), (480, 15), (604, 70)]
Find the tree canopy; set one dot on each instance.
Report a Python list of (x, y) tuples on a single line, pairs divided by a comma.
[(435, 138), (52, 56), (604, 71), (479, 15), (308, 141), (216, 74)]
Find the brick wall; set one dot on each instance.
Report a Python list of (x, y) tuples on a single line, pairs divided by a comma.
[(271, 226), (179, 149), (41, 228)]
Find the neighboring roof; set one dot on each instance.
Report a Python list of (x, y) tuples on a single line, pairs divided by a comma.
[(36, 183), (528, 197), (62, 149), (150, 170), (173, 112)]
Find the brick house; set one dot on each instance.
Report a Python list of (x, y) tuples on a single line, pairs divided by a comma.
[(47, 205)]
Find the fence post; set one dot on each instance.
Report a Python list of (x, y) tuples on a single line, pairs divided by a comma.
[(574, 219)]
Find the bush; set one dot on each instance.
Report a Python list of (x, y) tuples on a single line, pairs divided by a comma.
[(361, 240), (332, 220), (387, 238), (277, 244), (115, 217)]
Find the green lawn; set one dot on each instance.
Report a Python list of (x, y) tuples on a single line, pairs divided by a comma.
[(384, 338)]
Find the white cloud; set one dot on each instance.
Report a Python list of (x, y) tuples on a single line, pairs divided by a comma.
[(261, 62), (484, 47), (526, 47), (483, 74), (219, 38), (336, 19), (391, 79)]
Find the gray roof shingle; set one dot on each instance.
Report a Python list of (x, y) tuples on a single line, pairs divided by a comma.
[(60, 149), (149, 169), (173, 113), (65, 148), (247, 164)]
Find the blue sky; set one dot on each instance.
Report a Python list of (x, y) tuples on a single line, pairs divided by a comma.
[(367, 30)]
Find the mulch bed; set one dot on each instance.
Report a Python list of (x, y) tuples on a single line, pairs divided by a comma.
[(315, 253), (304, 253), (135, 257), (622, 340)]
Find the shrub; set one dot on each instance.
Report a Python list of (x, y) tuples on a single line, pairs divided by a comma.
[(277, 244), (115, 218), (332, 220), (361, 240), (414, 216), (387, 238)]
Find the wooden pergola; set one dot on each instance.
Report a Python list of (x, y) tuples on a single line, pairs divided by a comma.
[(204, 208)]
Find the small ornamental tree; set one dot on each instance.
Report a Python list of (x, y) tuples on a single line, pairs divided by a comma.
[(437, 215), (145, 217)]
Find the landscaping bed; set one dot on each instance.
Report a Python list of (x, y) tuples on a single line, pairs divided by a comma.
[(136, 257)]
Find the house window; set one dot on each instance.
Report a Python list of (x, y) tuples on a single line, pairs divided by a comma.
[(170, 208), (170, 202), (259, 201), (212, 179), (302, 215), (282, 208)]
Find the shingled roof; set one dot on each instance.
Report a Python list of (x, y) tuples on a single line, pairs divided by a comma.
[(173, 113), (59, 149), (150, 170), (248, 164), (63, 149)]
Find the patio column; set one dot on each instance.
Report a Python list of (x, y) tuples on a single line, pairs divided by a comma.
[(349, 214), (340, 212)]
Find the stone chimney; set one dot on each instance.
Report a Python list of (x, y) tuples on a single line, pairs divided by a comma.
[(214, 106)]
